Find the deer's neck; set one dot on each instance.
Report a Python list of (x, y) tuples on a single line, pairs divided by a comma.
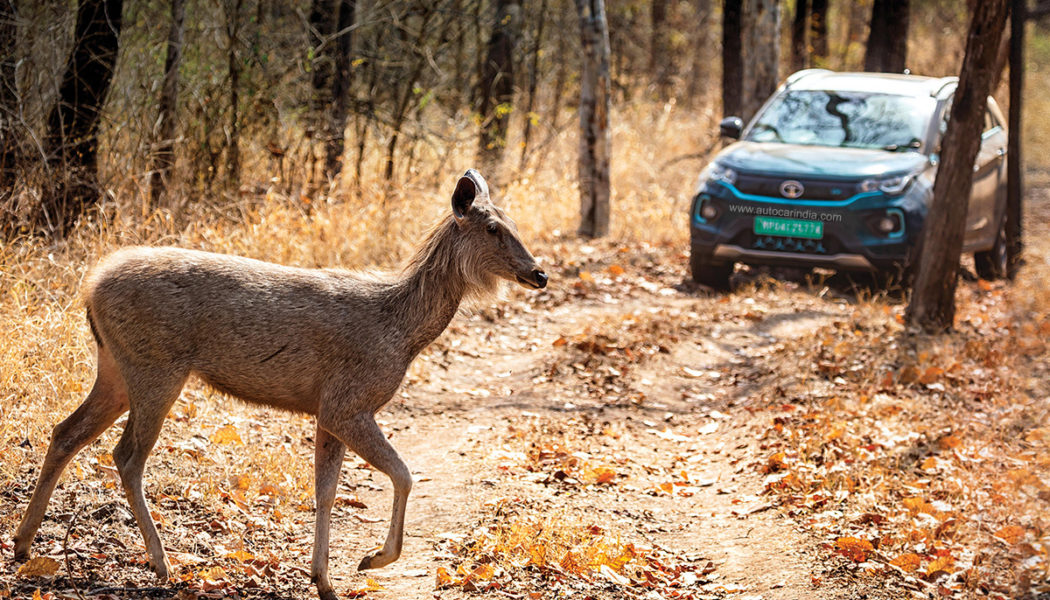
[(430, 292)]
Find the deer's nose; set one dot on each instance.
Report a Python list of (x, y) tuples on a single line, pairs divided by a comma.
[(540, 277)]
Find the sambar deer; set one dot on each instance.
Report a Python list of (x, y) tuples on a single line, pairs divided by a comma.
[(324, 342)]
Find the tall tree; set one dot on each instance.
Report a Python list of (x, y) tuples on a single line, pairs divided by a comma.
[(496, 84), (595, 145), (341, 80), (534, 77), (407, 89), (732, 58), (932, 305), (1014, 156), (699, 77), (8, 93), (331, 25), (72, 123), (799, 50), (659, 38), (321, 23), (887, 50), (818, 32), (164, 146), (233, 70), (761, 35)]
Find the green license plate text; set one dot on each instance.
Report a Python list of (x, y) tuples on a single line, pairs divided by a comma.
[(796, 228)]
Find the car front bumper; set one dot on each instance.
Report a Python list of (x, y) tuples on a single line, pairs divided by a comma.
[(849, 240)]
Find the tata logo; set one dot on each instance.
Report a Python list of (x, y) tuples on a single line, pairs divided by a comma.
[(791, 189)]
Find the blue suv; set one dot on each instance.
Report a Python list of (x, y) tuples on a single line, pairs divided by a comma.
[(836, 170)]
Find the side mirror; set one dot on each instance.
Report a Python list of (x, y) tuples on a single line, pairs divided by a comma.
[(731, 127)]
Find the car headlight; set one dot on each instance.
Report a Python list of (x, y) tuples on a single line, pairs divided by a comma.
[(895, 184), (716, 172)]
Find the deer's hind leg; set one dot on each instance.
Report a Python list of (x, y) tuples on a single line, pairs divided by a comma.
[(107, 400), (151, 392)]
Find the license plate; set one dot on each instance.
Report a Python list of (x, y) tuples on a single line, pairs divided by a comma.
[(796, 228)]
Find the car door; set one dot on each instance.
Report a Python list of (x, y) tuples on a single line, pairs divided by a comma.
[(982, 219)]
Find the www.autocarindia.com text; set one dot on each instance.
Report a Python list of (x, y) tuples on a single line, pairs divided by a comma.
[(790, 213)]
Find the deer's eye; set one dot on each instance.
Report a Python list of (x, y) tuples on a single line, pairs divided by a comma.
[(492, 228)]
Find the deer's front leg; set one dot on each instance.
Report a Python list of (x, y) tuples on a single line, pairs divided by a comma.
[(328, 459), (361, 434)]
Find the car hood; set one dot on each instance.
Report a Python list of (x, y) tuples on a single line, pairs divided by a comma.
[(817, 161)]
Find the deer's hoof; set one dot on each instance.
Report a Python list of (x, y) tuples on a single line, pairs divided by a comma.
[(377, 560), (328, 595), (21, 549), (163, 570)]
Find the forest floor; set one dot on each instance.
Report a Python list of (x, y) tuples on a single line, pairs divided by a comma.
[(621, 434)]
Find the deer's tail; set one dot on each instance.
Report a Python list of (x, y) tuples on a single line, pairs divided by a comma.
[(94, 329)]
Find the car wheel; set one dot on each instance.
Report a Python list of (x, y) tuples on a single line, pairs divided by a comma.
[(992, 264), (714, 275)]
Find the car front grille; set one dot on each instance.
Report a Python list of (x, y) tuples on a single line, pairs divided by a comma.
[(813, 189), (774, 243)]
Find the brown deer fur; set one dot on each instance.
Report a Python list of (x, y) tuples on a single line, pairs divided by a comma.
[(324, 342)]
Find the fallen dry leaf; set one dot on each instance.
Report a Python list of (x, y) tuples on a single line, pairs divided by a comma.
[(1011, 534), (943, 563), (853, 548), (908, 562), (241, 556), (40, 566), (226, 435)]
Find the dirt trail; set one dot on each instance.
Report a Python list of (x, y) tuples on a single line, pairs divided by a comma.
[(492, 382)]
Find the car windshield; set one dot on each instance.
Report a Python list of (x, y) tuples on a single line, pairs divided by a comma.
[(845, 119)]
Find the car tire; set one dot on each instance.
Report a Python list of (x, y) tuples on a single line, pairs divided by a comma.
[(993, 263), (714, 275)]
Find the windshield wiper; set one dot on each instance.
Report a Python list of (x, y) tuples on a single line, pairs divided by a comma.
[(912, 145)]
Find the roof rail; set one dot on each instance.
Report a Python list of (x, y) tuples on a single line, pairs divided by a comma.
[(944, 83), (803, 73)]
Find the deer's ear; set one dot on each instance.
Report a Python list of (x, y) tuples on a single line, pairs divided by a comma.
[(471, 186)]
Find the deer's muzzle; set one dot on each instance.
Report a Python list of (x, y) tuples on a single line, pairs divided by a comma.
[(536, 280)]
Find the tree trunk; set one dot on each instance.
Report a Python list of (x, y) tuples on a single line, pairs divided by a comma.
[(164, 136), (699, 78), (932, 305), (887, 50), (233, 141), (818, 32), (534, 77), (594, 119), (659, 59), (799, 55), (761, 35), (321, 23), (732, 58), (401, 108), (8, 96), (341, 80), (72, 124), (1014, 157), (496, 85), (233, 68)]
